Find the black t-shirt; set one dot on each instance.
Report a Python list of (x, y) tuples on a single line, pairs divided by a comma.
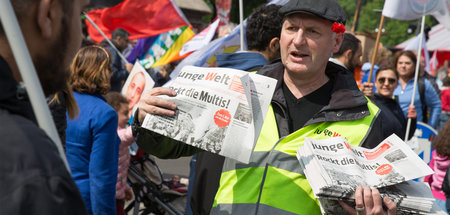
[(302, 109)]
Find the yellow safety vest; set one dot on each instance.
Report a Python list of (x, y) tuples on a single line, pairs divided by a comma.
[(273, 183)]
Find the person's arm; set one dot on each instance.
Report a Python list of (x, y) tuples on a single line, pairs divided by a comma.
[(429, 178), (432, 101), (151, 142), (104, 163)]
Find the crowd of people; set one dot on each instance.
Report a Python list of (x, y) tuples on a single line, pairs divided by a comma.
[(302, 44)]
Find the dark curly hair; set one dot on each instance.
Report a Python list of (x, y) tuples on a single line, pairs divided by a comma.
[(442, 142), (262, 26)]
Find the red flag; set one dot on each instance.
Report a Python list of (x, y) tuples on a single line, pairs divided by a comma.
[(141, 18)]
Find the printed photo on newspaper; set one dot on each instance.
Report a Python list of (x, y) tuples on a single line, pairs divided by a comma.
[(138, 80), (334, 168), (220, 110)]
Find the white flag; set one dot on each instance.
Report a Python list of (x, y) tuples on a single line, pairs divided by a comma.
[(200, 40), (443, 15), (411, 9)]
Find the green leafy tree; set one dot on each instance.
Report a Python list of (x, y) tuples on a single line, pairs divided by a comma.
[(369, 20)]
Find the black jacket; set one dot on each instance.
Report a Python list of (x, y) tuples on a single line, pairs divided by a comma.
[(347, 102), (392, 116), (33, 178)]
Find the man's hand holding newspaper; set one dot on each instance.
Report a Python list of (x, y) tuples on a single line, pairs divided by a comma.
[(151, 103), (337, 170)]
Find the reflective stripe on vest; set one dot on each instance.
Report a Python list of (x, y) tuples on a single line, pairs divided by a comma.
[(273, 183)]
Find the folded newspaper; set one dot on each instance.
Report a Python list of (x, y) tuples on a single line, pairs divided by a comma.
[(334, 168), (220, 110)]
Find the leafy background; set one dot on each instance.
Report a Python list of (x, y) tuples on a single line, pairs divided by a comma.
[(395, 31)]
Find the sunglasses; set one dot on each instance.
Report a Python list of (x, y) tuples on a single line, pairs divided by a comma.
[(390, 80)]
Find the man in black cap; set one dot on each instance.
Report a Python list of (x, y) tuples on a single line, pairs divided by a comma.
[(313, 98)]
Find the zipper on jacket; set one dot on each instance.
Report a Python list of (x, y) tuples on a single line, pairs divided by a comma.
[(265, 174)]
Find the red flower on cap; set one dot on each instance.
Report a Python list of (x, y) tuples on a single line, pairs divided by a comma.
[(338, 28)]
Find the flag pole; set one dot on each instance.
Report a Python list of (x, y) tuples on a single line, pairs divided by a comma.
[(375, 49), (241, 21), (416, 75), (29, 76), (106, 38), (355, 18)]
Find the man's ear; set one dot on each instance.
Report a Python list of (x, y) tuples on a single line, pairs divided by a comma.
[(348, 54), (274, 49), (274, 45), (47, 18), (337, 42)]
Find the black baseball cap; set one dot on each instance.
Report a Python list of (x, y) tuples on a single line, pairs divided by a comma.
[(325, 9)]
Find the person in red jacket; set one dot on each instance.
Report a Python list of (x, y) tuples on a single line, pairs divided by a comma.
[(445, 102)]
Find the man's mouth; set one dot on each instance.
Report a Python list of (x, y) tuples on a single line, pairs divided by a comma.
[(299, 54)]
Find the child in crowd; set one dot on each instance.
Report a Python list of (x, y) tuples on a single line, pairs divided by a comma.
[(440, 161), (123, 190)]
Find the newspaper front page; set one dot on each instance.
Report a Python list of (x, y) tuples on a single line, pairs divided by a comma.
[(220, 110), (334, 168)]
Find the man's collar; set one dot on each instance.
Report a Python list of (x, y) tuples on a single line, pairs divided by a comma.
[(336, 61)]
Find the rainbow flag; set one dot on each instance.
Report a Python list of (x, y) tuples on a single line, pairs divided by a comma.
[(166, 47)]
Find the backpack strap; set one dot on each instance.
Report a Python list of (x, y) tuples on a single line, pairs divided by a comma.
[(421, 85)]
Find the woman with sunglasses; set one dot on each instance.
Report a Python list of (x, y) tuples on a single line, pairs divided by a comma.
[(405, 62), (386, 80)]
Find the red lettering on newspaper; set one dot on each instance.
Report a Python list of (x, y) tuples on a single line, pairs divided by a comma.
[(236, 85), (377, 152)]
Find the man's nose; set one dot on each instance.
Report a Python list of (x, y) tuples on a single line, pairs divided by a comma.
[(299, 37)]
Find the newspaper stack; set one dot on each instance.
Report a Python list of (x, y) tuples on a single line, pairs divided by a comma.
[(220, 110), (334, 168)]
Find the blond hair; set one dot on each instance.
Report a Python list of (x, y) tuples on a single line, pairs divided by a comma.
[(91, 70)]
